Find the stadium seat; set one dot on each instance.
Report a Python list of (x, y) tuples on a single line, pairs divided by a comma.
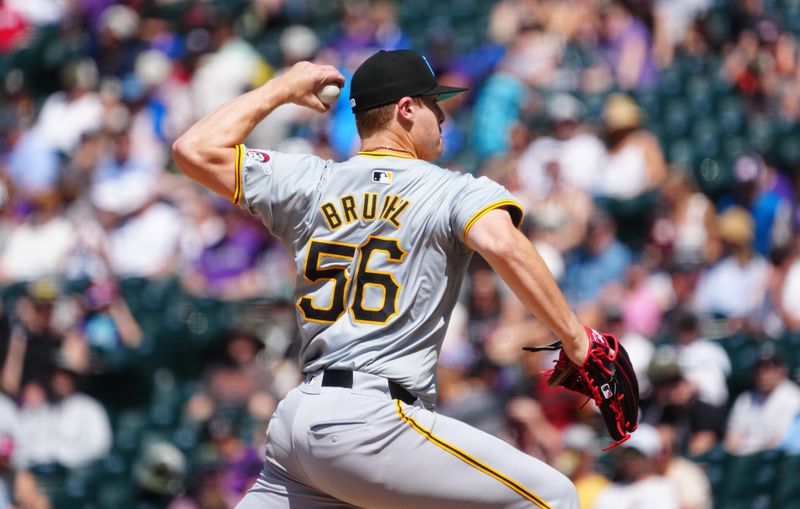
[(115, 464), (594, 104), (116, 494), (681, 152), (50, 478), (787, 493), (792, 18), (670, 84), (730, 115), (742, 351), (676, 118), (186, 437), (649, 101), (760, 134), (788, 149), (790, 343), (128, 430), (700, 95), (750, 481), (732, 146), (705, 138), (714, 462)]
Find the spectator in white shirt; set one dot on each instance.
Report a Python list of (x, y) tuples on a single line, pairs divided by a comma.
[(142, 233), (72, 429), (78, 107), (39, 246), (702, 362), (641, 485), (735, 286), (577, 152), (761, 416), (81, 423)]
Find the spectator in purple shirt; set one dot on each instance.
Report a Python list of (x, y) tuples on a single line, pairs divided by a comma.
[(223, 264), (628, 48)]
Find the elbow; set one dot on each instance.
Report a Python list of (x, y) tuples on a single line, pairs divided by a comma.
[(183, 151), (192, 156)]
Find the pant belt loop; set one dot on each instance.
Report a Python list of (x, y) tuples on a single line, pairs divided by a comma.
[(344, 378)]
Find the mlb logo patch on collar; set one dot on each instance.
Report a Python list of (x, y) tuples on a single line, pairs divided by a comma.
[(382, 176)]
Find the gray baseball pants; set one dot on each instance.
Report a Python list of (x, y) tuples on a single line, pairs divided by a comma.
[(334, 447)]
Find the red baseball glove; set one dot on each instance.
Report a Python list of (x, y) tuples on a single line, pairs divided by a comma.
[(606, 376)]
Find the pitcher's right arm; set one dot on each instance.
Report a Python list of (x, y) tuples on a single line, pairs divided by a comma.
[(206, 152)]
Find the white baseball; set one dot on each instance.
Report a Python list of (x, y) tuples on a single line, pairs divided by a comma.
[(329, 93)]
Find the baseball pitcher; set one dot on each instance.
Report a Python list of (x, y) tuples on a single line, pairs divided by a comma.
[(381, 244)]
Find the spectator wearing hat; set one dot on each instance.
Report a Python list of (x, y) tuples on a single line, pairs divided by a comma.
[(103, 327), (141, 233), (117, 44), (61, 425), (683, 276), (232, 65), (578, 153), (698, 426), (641, 484), (557, 173), (30, 345), (160, 474), (635, 167), (767, 195), (237, 381), (40, 245), (601, 259), (703, 362), (689, 479), (120, 159), (82, 429), (77, 106), (578, 461), (761, 416), (734, 287)]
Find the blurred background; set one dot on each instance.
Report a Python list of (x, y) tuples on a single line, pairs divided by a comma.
[(146, 326)]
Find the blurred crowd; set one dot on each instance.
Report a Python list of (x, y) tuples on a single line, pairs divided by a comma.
[(668, 219)]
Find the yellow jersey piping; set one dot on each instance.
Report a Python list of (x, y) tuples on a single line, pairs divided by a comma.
[(237, 166), (471, 461), (489, 208)]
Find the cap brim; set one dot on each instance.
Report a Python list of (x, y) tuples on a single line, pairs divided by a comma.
[(443, 92)]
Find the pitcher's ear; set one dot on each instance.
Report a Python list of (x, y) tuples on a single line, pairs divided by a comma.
[(405, 107)]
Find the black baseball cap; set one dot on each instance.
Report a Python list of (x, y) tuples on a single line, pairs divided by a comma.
[(388, 76)]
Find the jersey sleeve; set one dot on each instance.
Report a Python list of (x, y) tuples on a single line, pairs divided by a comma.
[(474, 198), (277, 187)]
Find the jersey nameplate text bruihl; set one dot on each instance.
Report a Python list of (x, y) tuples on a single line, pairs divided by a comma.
[(348, 209)]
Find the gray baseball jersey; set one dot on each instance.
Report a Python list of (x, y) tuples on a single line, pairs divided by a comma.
[(380, 251), (379, 244)]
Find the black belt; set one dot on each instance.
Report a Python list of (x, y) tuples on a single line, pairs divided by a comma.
[(343, 378)]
